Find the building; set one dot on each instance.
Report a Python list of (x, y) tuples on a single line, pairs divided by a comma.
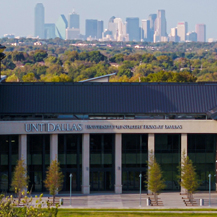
[(74, 21), (72, 34), (191, 36), (100, 29), (146, 31), (133, 28), (173, 35), (103, 133), (200, 29), (161, 26), (39, 21), (152, 18), (61, 26), (182, 29), (91, 28), (49, 30)]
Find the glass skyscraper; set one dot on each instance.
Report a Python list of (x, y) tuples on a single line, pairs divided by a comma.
[(91, 28), (133, 28), (39, 20), (61, 26), (74, 21)]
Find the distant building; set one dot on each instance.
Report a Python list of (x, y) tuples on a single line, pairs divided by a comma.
[(152, 18), (74, 21), (133, 28), (191, 36), (100, 28), (161, 26), (9, 36), (120, 30), (182, 29), (91, 28), (49, 30), (61, 26), (173, 35), (72, 34), (210, 40), (39, 21), (146, 31), (112, 27), (200, 29)]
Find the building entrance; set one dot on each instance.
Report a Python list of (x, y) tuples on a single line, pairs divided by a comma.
[(100, 181), (102, 162)]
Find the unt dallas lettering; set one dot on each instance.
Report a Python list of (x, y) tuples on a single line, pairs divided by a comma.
[(50, 127)]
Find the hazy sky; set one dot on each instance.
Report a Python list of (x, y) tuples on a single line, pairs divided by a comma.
[(17, 16)]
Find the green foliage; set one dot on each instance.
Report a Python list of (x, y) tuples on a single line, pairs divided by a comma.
[(164, 76), (188, 177), (20, 178), (155, 182), (30, 77), (54, 178)]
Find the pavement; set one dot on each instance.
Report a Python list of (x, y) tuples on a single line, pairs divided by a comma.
[(171, 200)]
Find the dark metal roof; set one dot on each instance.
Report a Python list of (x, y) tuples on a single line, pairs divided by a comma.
[(107, 98)]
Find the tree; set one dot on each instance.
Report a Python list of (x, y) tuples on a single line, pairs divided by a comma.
[(155, 182), (189, 179), (30, 77), (20, 178), (54, 178)]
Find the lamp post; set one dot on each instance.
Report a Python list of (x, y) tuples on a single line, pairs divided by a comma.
[(70, 189), (2, 56), (209, 189), (140, 177)]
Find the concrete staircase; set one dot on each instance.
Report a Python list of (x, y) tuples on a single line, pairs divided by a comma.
[(173, 200)]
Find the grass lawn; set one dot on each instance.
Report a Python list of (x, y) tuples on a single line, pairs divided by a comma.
[(128, 213)]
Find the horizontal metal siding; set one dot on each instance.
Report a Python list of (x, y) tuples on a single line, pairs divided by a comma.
[(107, 98)]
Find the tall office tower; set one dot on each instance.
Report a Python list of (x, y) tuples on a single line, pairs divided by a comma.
[(191, 36), (91, 29), (39, 20), (146, 31), (200, 29), (74, 21), (61, 26), (161, 26), (49, 30), (173, 35), (182, 29), (120, 30), (133, 28), (112, 27), (100, 29), (72, 34), (152, 18)]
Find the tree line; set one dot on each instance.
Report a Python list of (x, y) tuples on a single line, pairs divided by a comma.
[(73, 66)]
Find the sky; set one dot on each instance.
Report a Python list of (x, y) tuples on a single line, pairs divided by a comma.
[(17, 16)]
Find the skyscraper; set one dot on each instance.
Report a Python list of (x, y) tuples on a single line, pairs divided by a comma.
[(161, 26), (191, 36), (182, 29), (146, 31), (61, 26), (39, 20), (120, 30), (133, 28), (200, 29), (100, 28), (173, 35), (152, 18), (49, 30), (91, 29), (74, 21)]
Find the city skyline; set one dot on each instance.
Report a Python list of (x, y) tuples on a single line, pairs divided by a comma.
[(68, 6)]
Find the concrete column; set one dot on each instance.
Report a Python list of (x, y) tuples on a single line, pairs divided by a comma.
[(53, 147), (23, 148), (151, 147), (118, 163), (184, 149), (85, 163)]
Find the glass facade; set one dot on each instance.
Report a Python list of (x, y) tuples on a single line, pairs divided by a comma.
[(70, 158), (134, 160), (202, 151), (102, 154), (8, 160), (38, 160), (168, 155)]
